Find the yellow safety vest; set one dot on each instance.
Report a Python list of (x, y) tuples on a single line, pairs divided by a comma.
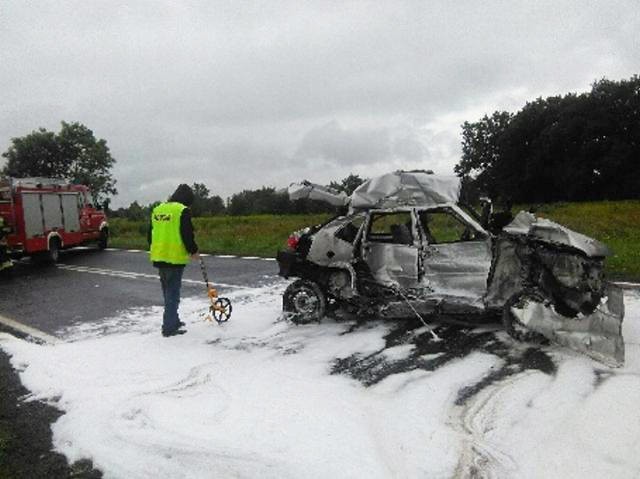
[(166, 242)]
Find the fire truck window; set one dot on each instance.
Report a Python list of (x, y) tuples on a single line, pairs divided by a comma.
[(444, 227), (392, 228)]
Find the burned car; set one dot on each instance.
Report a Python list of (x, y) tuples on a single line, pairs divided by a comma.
[(406, 248)]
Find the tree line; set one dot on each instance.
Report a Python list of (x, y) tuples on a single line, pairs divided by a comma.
[(561, 148), (74, 153), (265, 200)]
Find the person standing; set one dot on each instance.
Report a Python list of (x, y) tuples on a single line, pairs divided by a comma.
[(171, 245)]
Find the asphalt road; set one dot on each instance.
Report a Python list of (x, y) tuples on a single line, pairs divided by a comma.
[(87, 285)]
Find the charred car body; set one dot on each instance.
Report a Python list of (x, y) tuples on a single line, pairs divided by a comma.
[(407, 248)]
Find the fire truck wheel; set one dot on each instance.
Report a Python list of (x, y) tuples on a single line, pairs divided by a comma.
[(52, 254), (103, 240)]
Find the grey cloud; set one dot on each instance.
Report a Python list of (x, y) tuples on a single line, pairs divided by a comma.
[(256, 89), (334, 144)]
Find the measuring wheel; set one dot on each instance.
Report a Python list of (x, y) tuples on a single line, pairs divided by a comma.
[(221, 310)]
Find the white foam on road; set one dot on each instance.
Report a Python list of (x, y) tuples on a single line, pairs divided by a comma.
[(255, 398)]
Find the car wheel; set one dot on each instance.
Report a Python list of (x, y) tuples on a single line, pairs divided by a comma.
[(303, 302)]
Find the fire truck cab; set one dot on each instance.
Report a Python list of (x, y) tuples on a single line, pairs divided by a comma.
[(46, 215)]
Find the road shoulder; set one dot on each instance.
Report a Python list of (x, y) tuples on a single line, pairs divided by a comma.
[(25, 435)]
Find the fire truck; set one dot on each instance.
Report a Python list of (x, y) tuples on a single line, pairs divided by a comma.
[(47, 215)]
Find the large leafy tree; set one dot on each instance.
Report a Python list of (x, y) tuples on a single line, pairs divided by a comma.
[(562, 148), (481, 151), (73, 153)]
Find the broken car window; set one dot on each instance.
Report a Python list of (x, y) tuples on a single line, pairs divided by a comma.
[(350, 230), (442, 226), (392, 228)]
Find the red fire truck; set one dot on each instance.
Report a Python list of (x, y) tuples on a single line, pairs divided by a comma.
[(46, 215)]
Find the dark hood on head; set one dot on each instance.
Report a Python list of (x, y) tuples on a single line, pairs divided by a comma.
[(183, 194)]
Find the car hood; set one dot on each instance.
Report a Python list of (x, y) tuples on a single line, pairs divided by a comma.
[(546, 230)]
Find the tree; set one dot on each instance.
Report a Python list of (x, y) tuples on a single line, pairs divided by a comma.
[(74, 153), (562, 148), (481, 151), (262, 201), (37, 154), (203, 204), (347, 184)]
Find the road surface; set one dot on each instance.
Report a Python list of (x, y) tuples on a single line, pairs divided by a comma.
[(88, 285)]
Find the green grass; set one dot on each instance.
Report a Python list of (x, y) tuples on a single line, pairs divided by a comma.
[(615, 223), (260, 235)]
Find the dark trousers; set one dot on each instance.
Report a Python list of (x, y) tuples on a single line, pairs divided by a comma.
[(171, 280)]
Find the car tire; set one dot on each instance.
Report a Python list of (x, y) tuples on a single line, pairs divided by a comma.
[(304, 302)]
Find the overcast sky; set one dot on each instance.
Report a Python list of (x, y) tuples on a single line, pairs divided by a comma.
[(238, 95)]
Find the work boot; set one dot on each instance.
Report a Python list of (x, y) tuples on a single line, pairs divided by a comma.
[(175, 332)]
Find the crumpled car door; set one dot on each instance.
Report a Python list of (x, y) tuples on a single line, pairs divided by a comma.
[(455, 259), (390, 250)]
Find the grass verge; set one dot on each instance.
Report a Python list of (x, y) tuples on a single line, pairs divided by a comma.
[(615, 223), (259, 235)]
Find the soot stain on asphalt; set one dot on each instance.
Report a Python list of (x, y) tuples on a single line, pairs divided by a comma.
[(428, 355)]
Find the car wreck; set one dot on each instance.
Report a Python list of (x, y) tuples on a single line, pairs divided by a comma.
[(406, 247)]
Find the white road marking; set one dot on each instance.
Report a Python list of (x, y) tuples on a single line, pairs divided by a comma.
[(133, 275), (204, 255), (626, 284), (28, 330)]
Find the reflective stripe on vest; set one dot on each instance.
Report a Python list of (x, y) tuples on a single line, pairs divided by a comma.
[(166, 241)]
